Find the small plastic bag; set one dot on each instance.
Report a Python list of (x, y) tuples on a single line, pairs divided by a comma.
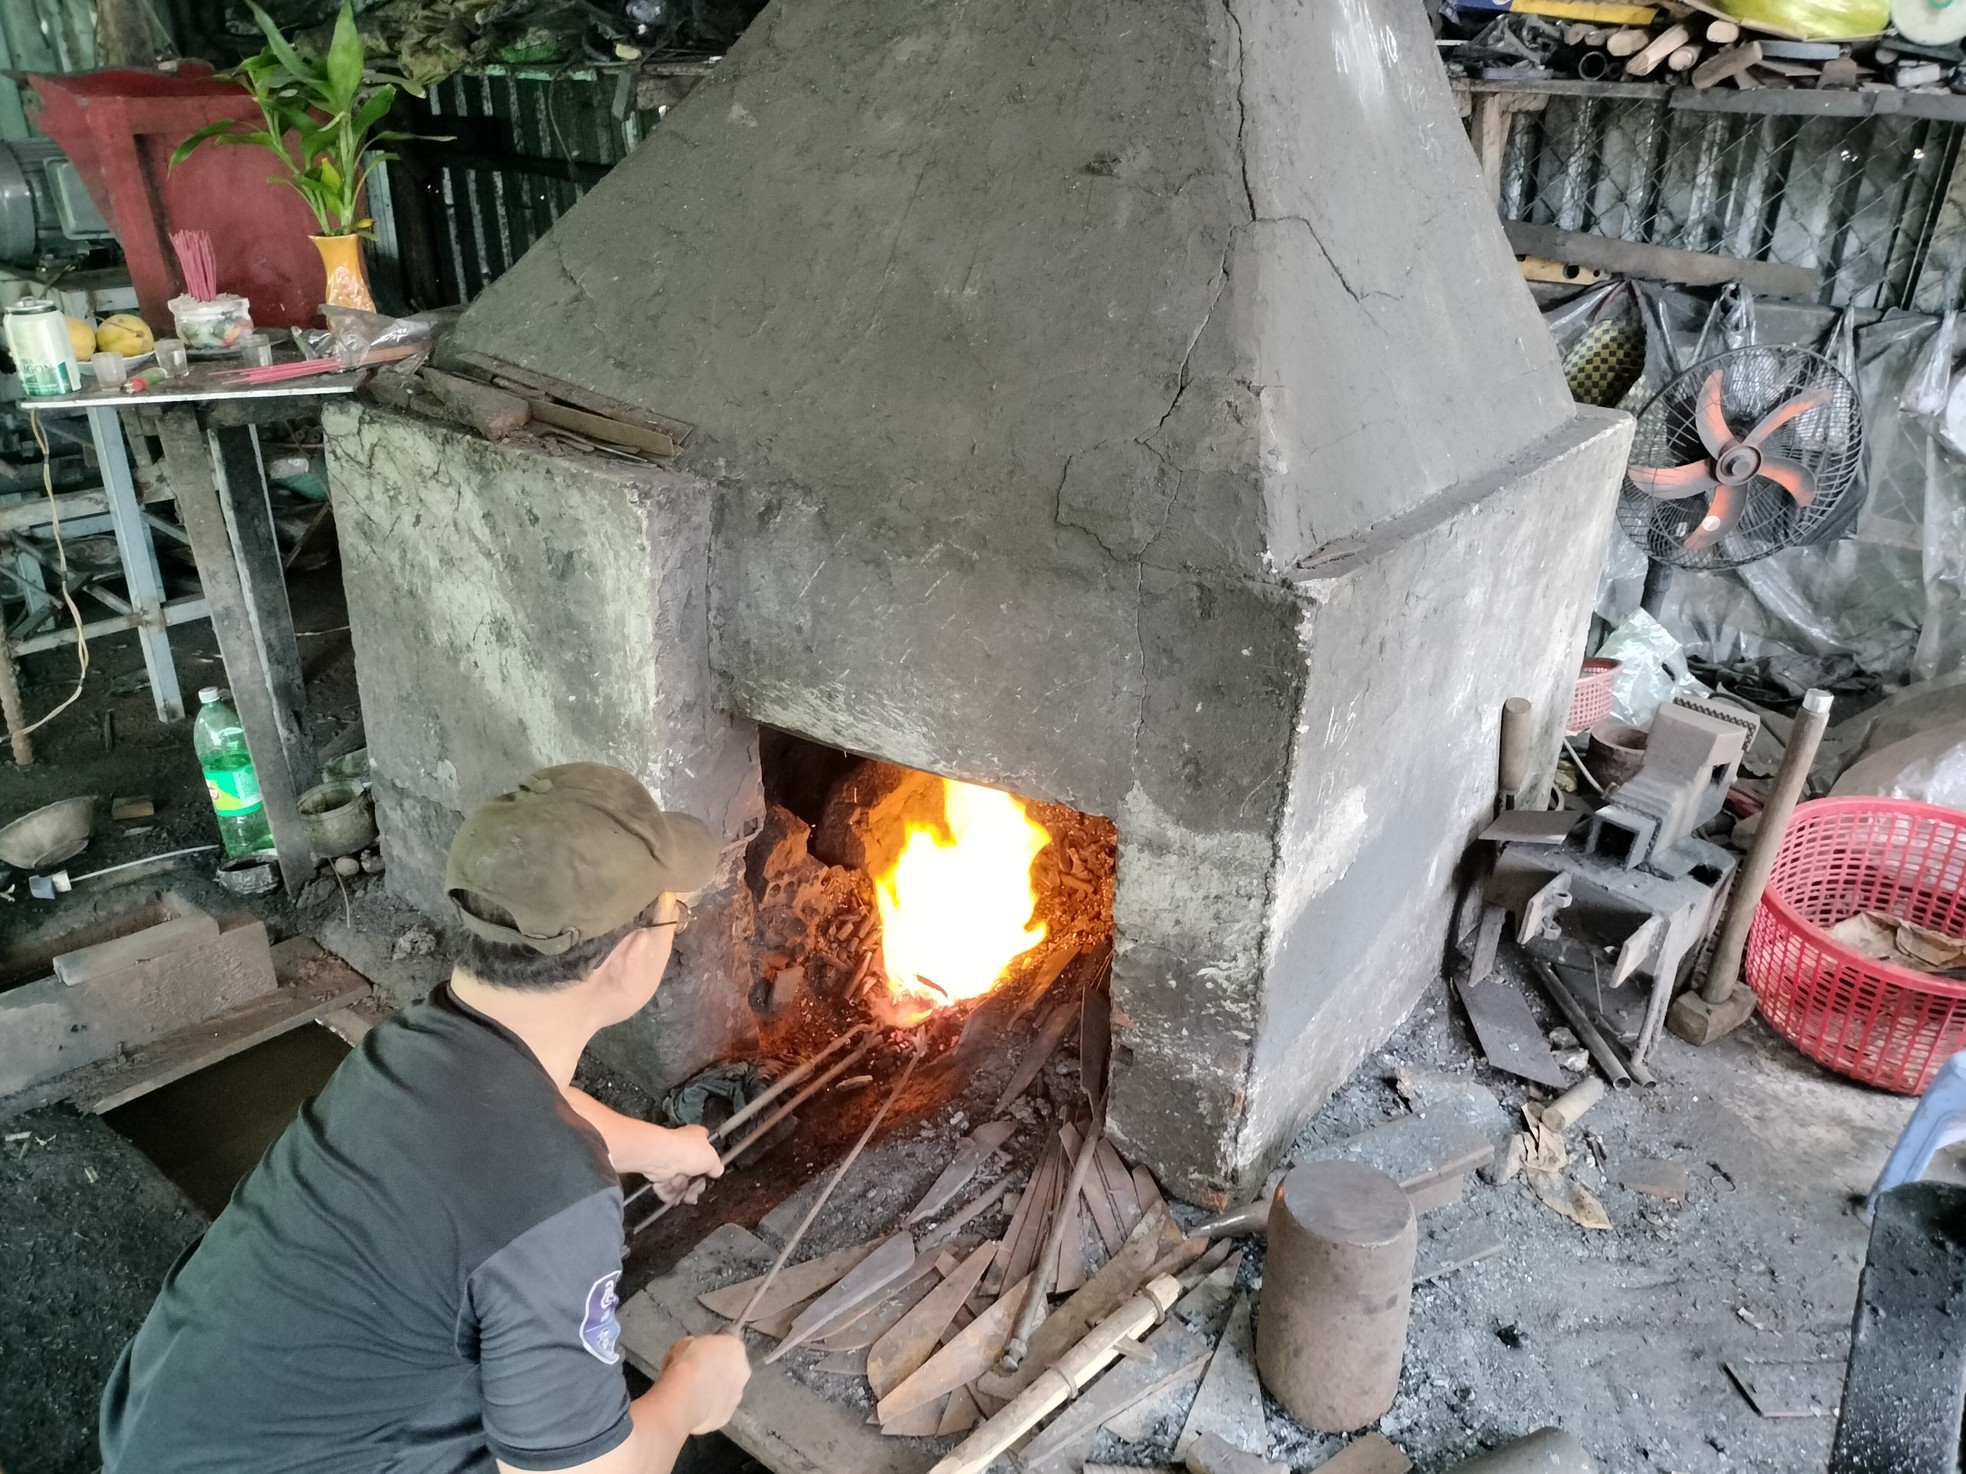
[(1930, 383), (1651, 671)]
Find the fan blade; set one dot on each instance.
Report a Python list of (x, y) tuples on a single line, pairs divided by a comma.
[(1793, 479), (1722, 513), (1781, 414), (1669, 483), (1712, 422)]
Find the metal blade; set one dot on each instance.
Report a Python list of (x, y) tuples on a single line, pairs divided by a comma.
[(1793, 479), (1669, 483), (1781, 414), (1712, 422), (1722, 513)]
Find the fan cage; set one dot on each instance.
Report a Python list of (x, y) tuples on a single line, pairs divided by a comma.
[(1827, 442)]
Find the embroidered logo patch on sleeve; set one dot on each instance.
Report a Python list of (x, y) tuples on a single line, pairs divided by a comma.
[(599, 1330)]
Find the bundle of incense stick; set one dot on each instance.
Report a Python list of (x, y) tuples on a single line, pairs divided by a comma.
[(307, 368), (199, 265)]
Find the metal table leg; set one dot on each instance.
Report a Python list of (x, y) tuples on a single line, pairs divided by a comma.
[(139, 556), (239, 625)]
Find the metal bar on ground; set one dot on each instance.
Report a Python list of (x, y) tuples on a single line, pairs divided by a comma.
[(139, 556)]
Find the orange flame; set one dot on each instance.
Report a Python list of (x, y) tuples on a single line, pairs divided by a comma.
[(956, 907)]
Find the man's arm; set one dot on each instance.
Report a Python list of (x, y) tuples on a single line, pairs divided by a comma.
[(702, 1381), (673, 1160)]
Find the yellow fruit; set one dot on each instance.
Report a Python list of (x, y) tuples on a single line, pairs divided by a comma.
[(125, 333), (83, 337)]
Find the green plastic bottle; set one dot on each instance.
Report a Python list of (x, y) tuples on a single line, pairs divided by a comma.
[(229, 776)]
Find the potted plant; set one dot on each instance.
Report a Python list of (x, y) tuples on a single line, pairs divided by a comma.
[(320, 121)]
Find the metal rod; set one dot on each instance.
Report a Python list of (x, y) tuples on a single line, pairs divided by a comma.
[(770, 1093), (1805, 736), (784, 1083), (768, 1124), (827, 1191), (1581, 1025)]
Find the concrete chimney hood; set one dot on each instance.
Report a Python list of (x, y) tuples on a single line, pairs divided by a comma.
[(1128, 404)]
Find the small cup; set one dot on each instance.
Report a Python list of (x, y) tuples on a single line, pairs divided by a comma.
[(171, 357), (111, 369), (256, 349)]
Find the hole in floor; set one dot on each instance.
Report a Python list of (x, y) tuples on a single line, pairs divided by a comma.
[(208, 1130)]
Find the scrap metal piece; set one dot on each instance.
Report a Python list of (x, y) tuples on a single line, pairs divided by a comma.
[(968, 1159)]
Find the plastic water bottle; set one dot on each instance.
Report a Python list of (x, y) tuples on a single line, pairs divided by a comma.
[(229, 776)]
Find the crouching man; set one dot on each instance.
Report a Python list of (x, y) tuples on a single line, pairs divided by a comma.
[(420, 1276)]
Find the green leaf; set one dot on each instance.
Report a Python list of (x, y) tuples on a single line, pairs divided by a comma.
[(344, 62), (373, 111), (211, 130), (277, 44)]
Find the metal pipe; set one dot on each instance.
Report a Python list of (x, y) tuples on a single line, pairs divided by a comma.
[(1805, 736), (1580, 1024)]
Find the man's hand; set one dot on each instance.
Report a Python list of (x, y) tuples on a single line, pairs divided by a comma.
[(708, 1375), (677, 1162)]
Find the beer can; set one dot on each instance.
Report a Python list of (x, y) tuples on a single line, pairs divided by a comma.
[(37, 336)]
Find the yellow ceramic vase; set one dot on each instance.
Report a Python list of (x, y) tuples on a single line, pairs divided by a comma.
[(348, 278)]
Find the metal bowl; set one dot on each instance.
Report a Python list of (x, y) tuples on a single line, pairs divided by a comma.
[(49, 835)]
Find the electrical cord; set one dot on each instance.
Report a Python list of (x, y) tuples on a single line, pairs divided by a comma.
[(61, 561)]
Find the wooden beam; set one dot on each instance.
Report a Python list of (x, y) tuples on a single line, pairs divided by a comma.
[(1661, 263)]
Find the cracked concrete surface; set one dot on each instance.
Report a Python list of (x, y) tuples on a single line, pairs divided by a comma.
[(1031, 348)]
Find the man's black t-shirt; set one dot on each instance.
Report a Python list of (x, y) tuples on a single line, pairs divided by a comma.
[(419, 1277)]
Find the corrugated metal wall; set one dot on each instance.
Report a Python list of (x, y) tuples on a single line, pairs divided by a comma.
[(1873, 203), (41, 36)]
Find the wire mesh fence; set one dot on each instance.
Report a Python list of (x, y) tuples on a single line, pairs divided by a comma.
[(1872, 203)]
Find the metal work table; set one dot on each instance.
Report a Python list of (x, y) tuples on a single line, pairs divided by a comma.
[(211, 456)]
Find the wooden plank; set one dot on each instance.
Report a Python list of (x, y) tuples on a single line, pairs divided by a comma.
[(1661, 263), (893, 1258), (600, 427), (239, 619), (492, 412), (782, 1423), (795, 1282), (972, 1352), (307, 989), (533, 383), (902, 1351), (133, 949)]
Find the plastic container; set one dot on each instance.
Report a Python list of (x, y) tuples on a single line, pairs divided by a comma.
[(1590, 701), (229, 776), (1877, 1022), (219, 323)]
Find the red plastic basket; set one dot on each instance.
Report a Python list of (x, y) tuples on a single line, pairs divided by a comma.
[(1590, 702), (1874, 1021)]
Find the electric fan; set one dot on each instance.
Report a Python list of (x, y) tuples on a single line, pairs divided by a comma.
[(1752, 451)]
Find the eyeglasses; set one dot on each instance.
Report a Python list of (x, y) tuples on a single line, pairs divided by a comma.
[(680, 920)]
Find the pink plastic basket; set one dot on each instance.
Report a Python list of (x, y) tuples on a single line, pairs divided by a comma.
[(1590, 702), (1874, 1021)]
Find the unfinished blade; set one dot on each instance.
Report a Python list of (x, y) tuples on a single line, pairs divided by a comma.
[(1781, 414), (968, 1158), (1722, 513), (1793, 479), (1669, 483), (1710, 418), (871, 1277)]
